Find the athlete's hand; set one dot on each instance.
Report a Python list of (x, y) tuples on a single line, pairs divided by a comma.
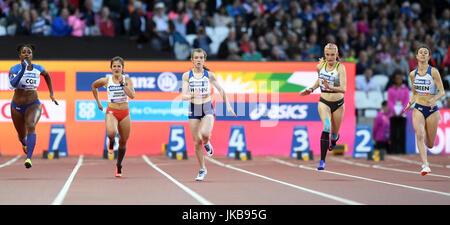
[(100, 106), (325, 83), (406, 109), (53, 99), (306, 92), (231, 111)]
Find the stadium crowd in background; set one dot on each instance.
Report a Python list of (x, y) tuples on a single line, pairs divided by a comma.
[(376, 34)]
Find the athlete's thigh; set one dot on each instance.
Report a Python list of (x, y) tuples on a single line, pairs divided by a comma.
[(124, 127), (111, 123), (431, 125), (325, 114), (19, 123), (194, 125), (32, 115), (336, 119), (207, 124), (418, 122)]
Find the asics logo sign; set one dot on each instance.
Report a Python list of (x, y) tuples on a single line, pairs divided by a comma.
[(279, 112)]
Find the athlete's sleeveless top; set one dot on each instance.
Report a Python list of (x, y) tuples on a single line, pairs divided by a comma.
[(332, 77), (425, 85), (30, 79), (115, 92), (201, 84)]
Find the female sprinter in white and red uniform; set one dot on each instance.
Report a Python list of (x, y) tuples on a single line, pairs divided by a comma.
[(119, 87), (25, 105), (332, 82), (197, 90), (428, 88)]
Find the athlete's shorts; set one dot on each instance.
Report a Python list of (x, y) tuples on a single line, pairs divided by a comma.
[(198, 111), (119, 114), (21, 108), (426, 110), (333, 105)]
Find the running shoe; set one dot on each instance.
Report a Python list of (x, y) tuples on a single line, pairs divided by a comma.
[(321, 165), (28, 163), (333, 143), (425, 170), (201, 175), (118, 171), (209, 149)]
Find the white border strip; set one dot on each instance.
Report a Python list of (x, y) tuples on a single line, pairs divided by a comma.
[(413, 161), (339, 199), (11, 161), (62, 194), (361, 178), (186, 189), (387, 168)]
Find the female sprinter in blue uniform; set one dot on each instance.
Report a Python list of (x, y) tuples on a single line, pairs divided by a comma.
[(119, 87), (428, 88), (332, 82), (25, 105), (197, 90)]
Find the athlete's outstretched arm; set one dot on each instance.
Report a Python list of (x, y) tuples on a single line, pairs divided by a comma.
[(413, 97), (15, 78), (438, 81), (213, 80), (316, 85), (97, 84), (48, 80), (185, 95)]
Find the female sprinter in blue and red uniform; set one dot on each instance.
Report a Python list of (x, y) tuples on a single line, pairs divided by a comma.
[(119, 87), (197, 90), (332, 82), (428, 88), (25, 105)]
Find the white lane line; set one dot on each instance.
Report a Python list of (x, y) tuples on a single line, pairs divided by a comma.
[(62, 194), (387, 168), (186, 189), (413, 161), (336, 198), (11, 161), (362, 178)]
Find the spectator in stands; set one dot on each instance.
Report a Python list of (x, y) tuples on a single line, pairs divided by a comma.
[(398, 94), (366, 84), (138, 25), (89, 16), (221, 18), (60, 26), (381, 128), (229, 48), (194, 22), (180, 24), (203, 41), (106, 24), (252, 54), (37, 24), (78, 25)]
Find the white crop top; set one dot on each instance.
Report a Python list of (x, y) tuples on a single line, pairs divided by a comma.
[(115, 92), (201, 85), (425, 85), (332, 77), (30, 79)]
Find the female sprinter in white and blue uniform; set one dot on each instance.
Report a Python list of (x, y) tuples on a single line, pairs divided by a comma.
[(427, 89), (25, 105), (197, 90), (332, 82)]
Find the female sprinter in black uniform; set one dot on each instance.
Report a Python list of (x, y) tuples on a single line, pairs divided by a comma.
[(119, 87), (428, 88), (197, 90), (25, 105), (332, 81)]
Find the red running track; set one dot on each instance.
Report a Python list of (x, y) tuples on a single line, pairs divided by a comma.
[(264, 180)]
